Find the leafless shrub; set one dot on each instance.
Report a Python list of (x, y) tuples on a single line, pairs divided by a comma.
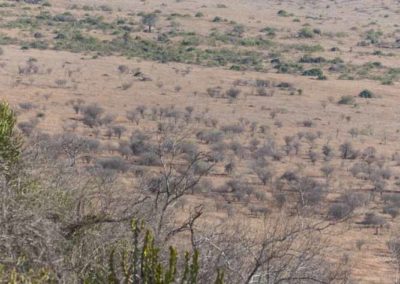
[(210, 136), (309, 192), (214, 92), (126, 85), (27, 106), (113, 163), (347, 151), (29, 68), (372, 219), (327, 170), (338, 211), (328, 152), (139, 143), (233, 93), (92, 115), (149, 158), (232, 129), (133, 116), (123, 69), (313, 156), (118, 130), (27, 127), (124, 149), (307, 123)]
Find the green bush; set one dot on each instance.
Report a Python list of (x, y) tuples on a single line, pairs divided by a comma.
[(143, 263), (282, 13), (366, 94), (373, 37), (314, 72), (306, 33), (217, 19), (199, 15)]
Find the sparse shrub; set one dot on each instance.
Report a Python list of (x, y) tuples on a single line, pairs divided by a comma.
[(353, 132), (141, 109), (126, 85), (238, 149), (218, 152), (118, 130), (366, 94), (107, 119), (210, 136), (124, 149), (310, 192), (201, 168), (113, 163), (30, 67), (188, 148), (310, 59), (307, 123), (347, 151), (217, 19), (328, 152), (306, 33), (123, 69), (149, 20), (280, 198), (392, 211), (354, 199), (27, 106), (315, 72), (139, 142), (232, 128), (346, 100), (233, 93), (264, 174), (230, 167), (214, 92), (327, 170), (199, 15), (237, 30), (338, 211), (149, 158), (92, 115), (133, 116), (259, 210), (373, 37), (394, 247), (372, 219), (313, 156), (360, 244), (27, 127), (283, 13), (290, 176), (269, 150), (262, 92)]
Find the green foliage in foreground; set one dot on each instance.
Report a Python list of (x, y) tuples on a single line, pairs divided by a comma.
[(138, 260), (10, 143), (75, 41), (141, 263)]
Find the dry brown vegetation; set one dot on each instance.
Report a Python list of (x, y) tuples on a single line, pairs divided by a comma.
[(262, 134)]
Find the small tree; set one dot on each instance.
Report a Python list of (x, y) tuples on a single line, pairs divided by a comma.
[(347, 151), (374, 220), (264, 174), (149, 20)]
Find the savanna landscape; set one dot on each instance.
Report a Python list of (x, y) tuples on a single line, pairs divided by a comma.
[(197, 141)]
